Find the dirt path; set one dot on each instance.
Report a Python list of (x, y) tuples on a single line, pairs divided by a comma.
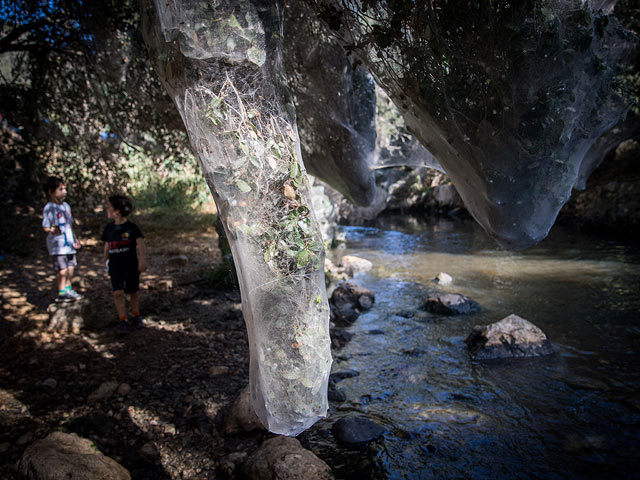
[(184, 368)]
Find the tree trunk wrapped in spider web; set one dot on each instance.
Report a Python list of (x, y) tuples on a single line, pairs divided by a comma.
[(221, 63)]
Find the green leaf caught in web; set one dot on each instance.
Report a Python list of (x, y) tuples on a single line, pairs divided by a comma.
[(294, 170), (256, 55), (243, 186)]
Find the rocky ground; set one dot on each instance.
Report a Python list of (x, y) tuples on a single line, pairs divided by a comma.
[(165, 388)]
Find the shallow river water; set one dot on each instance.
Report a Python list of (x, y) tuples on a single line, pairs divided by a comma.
[(574, 414)]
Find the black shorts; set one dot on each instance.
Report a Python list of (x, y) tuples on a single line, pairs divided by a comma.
[(124, 278)]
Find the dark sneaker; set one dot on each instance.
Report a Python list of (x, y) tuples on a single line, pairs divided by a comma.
[(65, 297), (137, 322), (75, 295), (123, 327)]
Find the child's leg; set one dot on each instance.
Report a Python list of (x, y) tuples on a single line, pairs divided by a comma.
[(68, 276), (61, 279), (134, 298), (119, 300)]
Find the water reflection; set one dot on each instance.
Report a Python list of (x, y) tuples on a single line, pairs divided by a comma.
[(575, 414)]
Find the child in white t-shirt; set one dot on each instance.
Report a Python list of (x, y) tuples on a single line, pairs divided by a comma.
[(61, 243)]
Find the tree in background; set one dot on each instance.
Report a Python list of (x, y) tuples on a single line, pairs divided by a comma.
[(78, 98)]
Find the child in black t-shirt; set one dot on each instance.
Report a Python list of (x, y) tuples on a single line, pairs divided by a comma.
[(121, 240)]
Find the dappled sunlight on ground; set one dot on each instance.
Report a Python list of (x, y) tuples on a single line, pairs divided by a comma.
[(176, 402)]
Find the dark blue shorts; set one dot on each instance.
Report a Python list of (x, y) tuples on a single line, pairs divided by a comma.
[(127, 279)]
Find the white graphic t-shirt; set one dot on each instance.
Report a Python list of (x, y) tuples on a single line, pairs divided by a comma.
[(59, 214)]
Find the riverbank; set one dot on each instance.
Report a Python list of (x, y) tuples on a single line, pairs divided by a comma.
[(176, 377)]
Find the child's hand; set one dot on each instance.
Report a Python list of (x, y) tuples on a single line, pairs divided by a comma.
[(77, 245), (142, 266)]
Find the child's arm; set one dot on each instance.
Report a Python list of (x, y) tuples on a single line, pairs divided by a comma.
[(76, 241), (105, 254), (142, 255), (48, 225)]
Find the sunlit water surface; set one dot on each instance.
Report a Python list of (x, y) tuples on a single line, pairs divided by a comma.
[(574, 414)]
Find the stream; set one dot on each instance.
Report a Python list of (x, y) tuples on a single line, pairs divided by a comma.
[(571, 415)]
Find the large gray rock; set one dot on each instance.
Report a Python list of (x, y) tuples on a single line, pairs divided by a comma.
[(62, 456), (241, 416), (69, 317), (283, 458), (510, 337), (450, 304)]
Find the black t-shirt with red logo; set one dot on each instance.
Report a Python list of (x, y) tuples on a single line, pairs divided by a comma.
[(122, 244)]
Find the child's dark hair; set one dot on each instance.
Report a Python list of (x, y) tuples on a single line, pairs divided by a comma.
[(122, 204), (51, 184)]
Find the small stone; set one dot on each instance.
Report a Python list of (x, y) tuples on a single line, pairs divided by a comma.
[(337, 376), (356, 430), (124, 389), (163, 285), (177, 261), (103, 391), (148, 450), (50, 383), (333, 273), (4, 446), (443, 279), (230, 463), (241, 416), (365, 302), (218, 370), (353, 264), (339, 337), (450, 304), (24, 439)]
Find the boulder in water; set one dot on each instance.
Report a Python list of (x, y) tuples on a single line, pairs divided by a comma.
[(510, 337), (63, 455), (340, 337), (283, 458), (336, 395), (353, 264), (356, 430), (348, 300), (450, 304)]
